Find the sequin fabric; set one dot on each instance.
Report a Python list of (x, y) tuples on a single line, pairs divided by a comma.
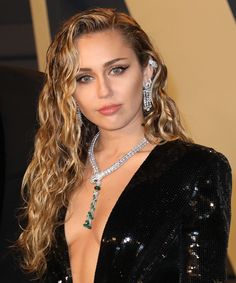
[(170, 224)]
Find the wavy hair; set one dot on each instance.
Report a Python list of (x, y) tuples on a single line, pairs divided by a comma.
[(61, 142)]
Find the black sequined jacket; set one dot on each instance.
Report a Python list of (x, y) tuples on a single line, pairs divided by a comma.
[(170, 224)]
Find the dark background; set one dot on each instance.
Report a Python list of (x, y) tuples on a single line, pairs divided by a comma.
[(17, 46)]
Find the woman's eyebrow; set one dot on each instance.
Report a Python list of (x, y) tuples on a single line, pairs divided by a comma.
[(113, 61), (107, 64)]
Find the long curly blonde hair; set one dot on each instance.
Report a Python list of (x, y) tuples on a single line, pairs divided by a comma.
[(61, 142)]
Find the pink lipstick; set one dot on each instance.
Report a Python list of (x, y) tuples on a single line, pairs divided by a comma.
[(109, 109)]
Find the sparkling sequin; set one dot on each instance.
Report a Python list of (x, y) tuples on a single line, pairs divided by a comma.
[(171, 223)]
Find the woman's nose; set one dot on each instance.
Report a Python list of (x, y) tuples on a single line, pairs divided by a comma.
[(103, 87)]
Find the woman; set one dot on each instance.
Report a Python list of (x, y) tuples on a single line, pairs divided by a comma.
[(116, 191)]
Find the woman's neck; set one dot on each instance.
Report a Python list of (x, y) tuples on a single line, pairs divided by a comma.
[(118, 141)]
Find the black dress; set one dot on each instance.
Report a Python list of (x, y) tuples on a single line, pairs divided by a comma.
[(170, 224)]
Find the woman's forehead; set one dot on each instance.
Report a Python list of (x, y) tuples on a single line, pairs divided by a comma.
[(102, 47)]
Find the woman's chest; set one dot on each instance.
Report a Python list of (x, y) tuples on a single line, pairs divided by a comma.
[(140, 224), (88, 202), (139, 229), (83, 243)]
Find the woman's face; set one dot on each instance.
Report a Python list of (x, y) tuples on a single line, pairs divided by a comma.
[(110, 80)]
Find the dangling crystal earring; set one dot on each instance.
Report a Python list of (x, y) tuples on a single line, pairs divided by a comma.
[(147, 89), (79, 116), (147, 96)]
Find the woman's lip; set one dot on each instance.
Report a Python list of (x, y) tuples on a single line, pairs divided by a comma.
[(109, 109)]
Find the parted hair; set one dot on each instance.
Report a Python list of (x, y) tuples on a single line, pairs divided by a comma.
[(61, 142)]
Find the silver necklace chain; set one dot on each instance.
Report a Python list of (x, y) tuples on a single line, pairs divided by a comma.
[(98, 175)]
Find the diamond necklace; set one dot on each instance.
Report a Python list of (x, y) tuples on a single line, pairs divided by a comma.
[(98, 175)]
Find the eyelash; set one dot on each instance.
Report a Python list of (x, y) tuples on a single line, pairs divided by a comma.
[(80, 79), (122, 68)]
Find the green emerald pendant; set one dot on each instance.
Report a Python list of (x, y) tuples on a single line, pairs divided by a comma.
[(90, 215)]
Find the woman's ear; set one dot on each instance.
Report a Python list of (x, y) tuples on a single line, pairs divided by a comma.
[(149, 70), (147, 73)]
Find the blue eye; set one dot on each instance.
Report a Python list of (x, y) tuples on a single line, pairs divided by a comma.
[(84, 79), (118, 70)]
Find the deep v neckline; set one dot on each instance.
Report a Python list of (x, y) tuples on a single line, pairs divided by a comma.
[(115, 207)]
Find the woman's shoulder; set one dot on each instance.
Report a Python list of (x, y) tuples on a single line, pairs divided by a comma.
[(192, 153), (185, 161), (200, 170)]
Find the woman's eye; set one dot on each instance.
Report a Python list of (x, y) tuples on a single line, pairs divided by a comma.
[(118, 70), (84, 79)]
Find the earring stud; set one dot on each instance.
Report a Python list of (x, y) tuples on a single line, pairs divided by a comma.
[(152, 63)]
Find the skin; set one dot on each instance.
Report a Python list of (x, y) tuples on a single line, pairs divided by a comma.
[(110, 74)]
